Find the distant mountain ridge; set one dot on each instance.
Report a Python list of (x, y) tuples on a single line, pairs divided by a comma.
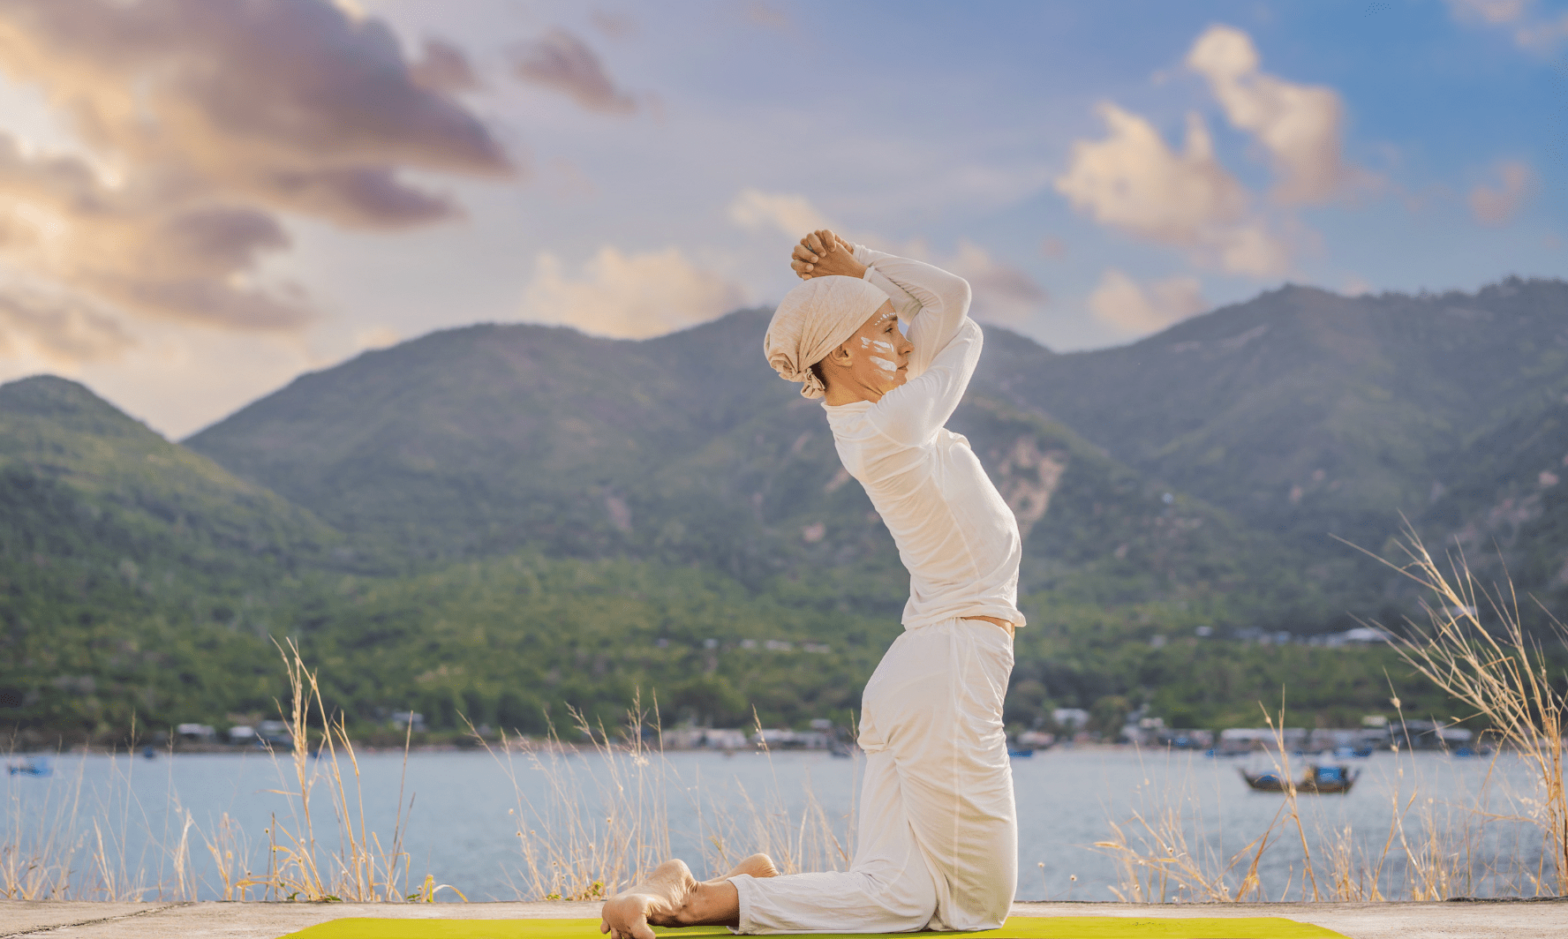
[(498, 520), (686, 449), (135, 575), (1301, 413), (1307, 412)]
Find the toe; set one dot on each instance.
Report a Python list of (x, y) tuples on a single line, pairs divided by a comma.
[(758, 865)]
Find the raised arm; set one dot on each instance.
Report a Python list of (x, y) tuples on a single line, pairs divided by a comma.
[(942, 301), (911, 413)]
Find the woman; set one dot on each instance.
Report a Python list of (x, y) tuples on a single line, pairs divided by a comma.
[(938, 838)]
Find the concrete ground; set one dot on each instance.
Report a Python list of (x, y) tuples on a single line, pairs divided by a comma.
[(68, 920)]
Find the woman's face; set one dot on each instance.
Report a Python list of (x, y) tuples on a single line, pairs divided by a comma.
[(879, 353)]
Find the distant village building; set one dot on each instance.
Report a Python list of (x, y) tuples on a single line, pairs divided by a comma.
[(1243, 739), (196, 733), (1430, 735), (1184, 738), (1036, 739), (1070, 719), (1361, 635), (782, 739), (276, 733), (705, 738), (406, 720)]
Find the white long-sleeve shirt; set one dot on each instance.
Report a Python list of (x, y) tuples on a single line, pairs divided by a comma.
[(954, 532)]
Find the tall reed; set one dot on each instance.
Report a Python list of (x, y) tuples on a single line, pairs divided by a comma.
[(604, 822), (77, 843), (360, 868), (72, 843), (1502, 674), (1431, 851)]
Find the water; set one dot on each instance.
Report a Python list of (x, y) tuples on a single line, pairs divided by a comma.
[(463, 823)]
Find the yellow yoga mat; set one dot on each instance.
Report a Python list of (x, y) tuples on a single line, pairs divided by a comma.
[(1017, 927)]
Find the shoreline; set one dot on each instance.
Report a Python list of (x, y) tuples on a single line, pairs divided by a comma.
[(71, 919)]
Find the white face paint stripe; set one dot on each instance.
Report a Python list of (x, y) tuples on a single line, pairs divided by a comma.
[(882, 347), (884, 364)]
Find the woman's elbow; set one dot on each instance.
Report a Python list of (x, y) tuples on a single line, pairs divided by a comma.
[(962, 294)]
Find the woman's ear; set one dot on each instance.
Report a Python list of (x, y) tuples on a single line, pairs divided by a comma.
[(840, 356)]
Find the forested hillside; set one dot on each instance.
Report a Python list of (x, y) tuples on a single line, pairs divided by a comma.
[(503, 520)]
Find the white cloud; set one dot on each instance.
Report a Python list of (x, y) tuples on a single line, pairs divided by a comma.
[(789, 213), (1250, 249), (189, 144), (1130, 307), (1496, 206), (58, 329), (628, 296), (1299, 125), (1134, 182), (561, 62), (1002, 293), (1131, 180), (1542, 37), (1530, 32)]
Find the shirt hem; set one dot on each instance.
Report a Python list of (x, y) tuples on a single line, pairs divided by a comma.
[(1010, 614)]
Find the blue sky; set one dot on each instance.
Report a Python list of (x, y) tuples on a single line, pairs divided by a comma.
[(1098, 170)]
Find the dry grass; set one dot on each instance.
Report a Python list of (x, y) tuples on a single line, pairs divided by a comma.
[(75, 843), (1163, 854), (1432, 850), (360, 868), (1166, 851), (72, 843), (604, 823), (1494, 668)]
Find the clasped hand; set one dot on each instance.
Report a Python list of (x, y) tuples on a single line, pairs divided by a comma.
[(823, 254)]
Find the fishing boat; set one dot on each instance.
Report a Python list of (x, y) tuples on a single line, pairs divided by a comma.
[(1020, 751), (29, 768), (1322, 780)]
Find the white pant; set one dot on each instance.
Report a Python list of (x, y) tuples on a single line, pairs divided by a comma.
[(938, 833)]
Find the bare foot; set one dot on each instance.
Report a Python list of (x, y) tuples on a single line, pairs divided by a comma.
[(758, 865), (672, 897), (658, 900)]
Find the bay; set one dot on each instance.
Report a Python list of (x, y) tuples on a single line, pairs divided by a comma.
[(468, 809)]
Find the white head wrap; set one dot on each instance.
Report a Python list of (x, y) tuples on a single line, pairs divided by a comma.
[(813, 320)]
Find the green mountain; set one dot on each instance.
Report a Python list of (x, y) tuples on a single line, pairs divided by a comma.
[(1504, 508), (1306, 413), (688, 450), (136, 574), (507, 521)]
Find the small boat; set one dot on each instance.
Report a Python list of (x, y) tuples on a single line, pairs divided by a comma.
[(1322, 780), (1020, 751), (29, 768)]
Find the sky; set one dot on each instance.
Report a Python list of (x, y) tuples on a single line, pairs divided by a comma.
[(200, 201)]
